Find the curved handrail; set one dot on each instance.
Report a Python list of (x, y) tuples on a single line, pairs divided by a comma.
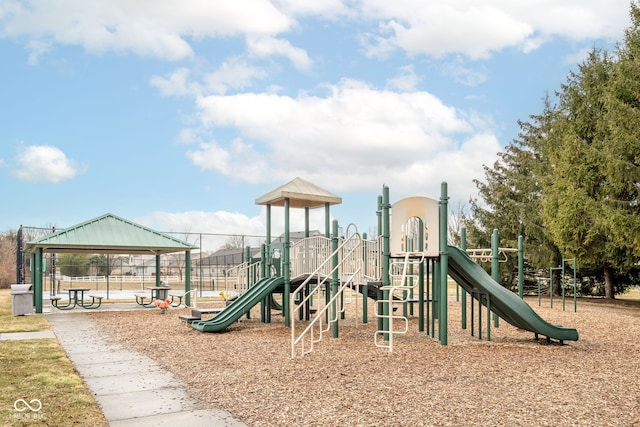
[(316, 274)]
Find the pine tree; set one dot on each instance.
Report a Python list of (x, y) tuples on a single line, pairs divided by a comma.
[(512, 193)]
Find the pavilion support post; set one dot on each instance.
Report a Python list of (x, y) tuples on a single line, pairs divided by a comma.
[(187, 278), (37, 283), (158, 270)]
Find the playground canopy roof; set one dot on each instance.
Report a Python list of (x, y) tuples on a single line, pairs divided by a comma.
[(110, 234), (301, 194)]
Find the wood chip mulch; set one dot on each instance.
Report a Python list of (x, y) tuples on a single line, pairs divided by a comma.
[(510, 381)]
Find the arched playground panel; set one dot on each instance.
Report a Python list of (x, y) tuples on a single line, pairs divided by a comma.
[(408, 263)]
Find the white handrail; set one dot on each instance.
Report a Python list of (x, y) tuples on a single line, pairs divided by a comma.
[(242, 272), (321, 278)]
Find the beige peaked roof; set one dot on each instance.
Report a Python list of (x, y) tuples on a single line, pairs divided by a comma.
[(301, 194), (110, 234)]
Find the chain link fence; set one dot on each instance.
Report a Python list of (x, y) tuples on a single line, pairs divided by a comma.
[(216, 255)]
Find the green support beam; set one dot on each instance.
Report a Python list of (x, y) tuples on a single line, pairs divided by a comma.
[(444, 265)]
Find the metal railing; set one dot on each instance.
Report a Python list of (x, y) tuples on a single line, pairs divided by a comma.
[(308, 254), (349, 268), (372, 259), (242, 276)]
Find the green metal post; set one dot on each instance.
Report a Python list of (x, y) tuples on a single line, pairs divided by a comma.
[(379, 307), (551, 270), (379, 215), (463, 302), (444, 261), (479, 315), (265, 300), (286, 266), (538, 280), (334, 280), (187, 278), (575, 288), (551, 287), (435, 296), (247, 259), (327, 220), (37, 283), (489, 317), (386, 253), (158, 270), (268, 243), (365, 287), (32, 274), (421, 281), (520, 266), (495, 263), (562, 283), (429, 262)]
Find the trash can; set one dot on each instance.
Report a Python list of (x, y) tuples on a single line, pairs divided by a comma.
[(21, 300)]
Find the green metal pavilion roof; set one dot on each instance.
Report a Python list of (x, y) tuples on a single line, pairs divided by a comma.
[(301, 194), (110, 234)]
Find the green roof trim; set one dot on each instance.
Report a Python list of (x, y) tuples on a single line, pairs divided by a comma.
[(110, 234)]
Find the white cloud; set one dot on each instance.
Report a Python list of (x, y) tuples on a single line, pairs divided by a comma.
[(464, 74), (146, 27), (354, 137), (328, 9), (176, 83), (406, 81), (472, 29), (476, 29), (45, 163), (269, 46), (166, 29), (232, 74)]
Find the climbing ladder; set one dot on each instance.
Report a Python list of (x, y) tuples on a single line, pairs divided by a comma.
[(399, 273)]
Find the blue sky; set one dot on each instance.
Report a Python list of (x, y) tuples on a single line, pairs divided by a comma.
[(179, 114)]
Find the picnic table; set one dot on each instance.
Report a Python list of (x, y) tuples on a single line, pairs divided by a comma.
[(76, 298), (156, 293)]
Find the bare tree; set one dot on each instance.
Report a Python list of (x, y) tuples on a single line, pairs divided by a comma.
[(459, 214), (234, 242), (8, 248), (177, 259)]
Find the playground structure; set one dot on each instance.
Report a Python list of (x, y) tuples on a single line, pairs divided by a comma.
[(409, 263)]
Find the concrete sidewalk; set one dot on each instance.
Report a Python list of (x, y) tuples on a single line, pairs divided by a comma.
[(131, 389)]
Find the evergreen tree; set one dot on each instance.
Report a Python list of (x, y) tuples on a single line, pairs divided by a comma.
[(512, 194), (573, 189), (569, 184)]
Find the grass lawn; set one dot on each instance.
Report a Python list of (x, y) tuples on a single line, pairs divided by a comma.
[(39, 372)]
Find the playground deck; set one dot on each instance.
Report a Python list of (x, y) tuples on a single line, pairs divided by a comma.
[(511, 380)]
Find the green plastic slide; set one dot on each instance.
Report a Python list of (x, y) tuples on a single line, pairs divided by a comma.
[(505, 303), (240, 306)]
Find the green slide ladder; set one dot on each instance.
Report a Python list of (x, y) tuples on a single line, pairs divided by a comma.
[(240, 306), (503, 302)]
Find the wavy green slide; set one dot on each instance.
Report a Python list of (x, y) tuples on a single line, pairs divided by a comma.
[(240, 306), (504, 303)]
